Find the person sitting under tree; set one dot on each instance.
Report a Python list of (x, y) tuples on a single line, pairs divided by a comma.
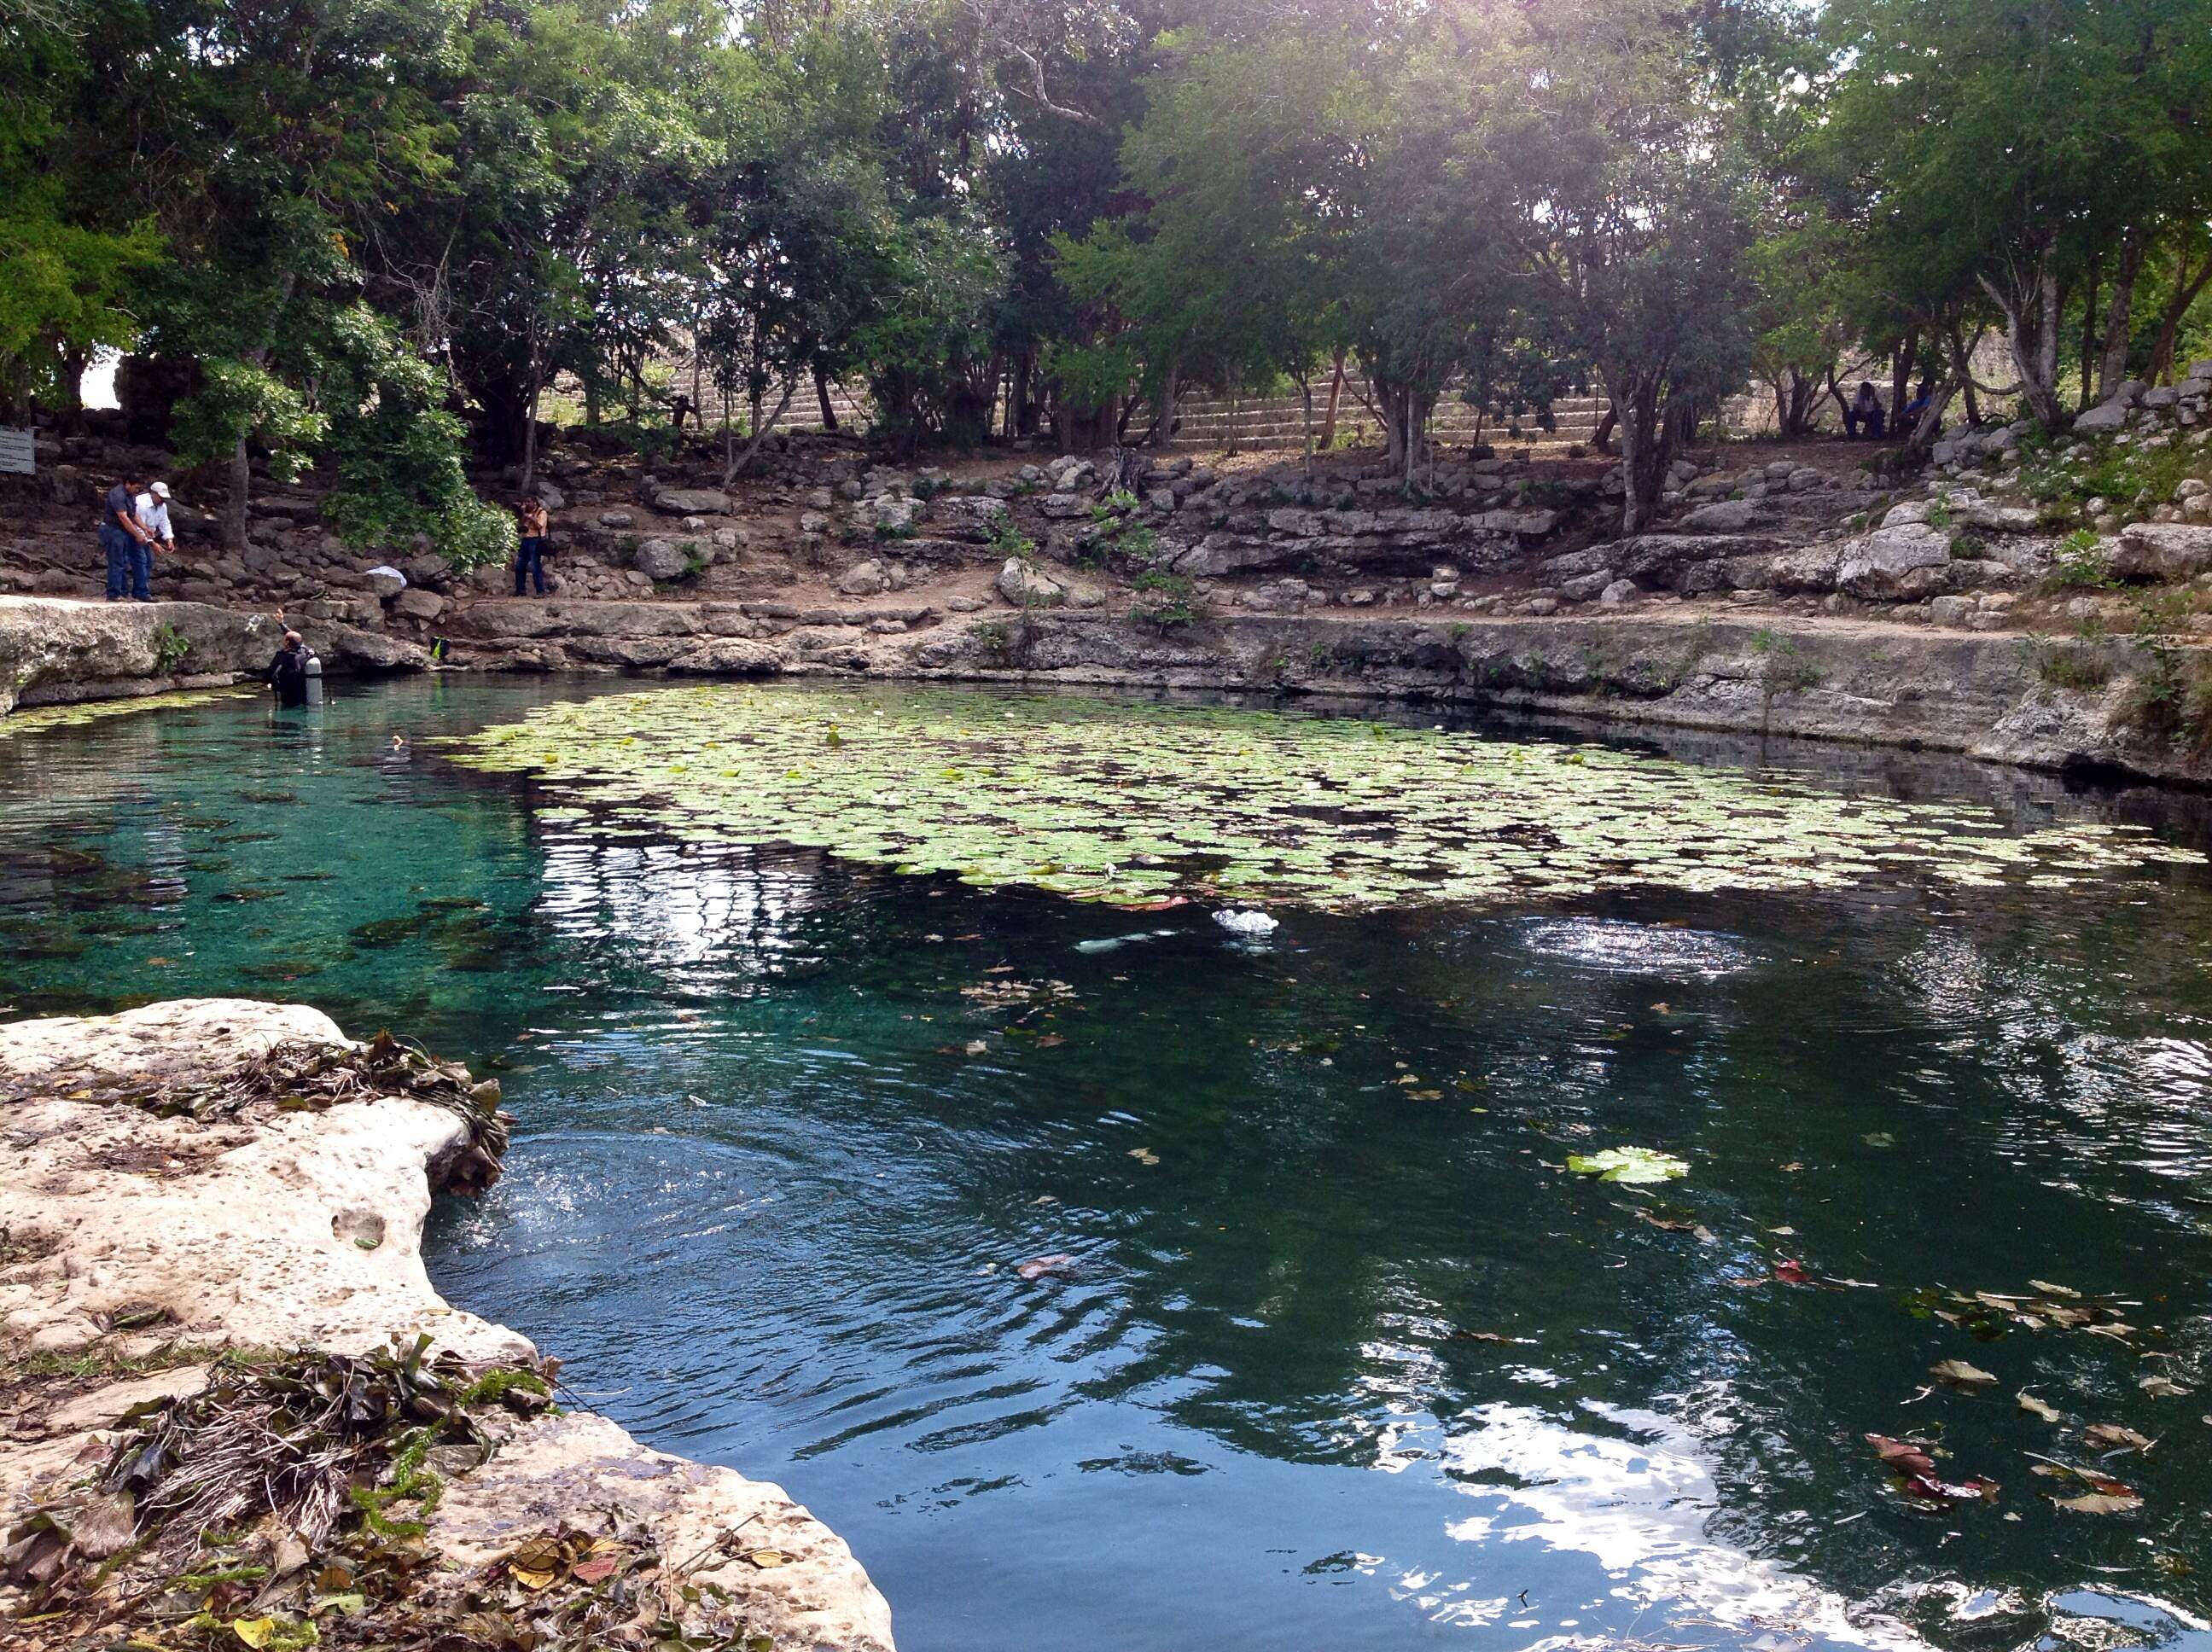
[(1865, 413), (1909, 419)]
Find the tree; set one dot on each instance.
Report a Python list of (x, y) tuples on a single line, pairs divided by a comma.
[(1607, 152), (71, 255), (2008, 145)]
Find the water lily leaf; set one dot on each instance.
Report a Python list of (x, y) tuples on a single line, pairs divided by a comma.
[(1960, 1372), (1207, 801), (1630, 1164)]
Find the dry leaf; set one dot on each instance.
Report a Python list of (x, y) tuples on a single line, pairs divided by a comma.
[(1966, 1376), (765, 1559), (2111, 1434), (2100, 1503), (2035, 1408)]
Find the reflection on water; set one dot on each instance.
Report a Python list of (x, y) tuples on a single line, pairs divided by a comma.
[(1341, 1355)]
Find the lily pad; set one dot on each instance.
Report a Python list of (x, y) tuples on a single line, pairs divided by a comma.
[(1133, 804), (1629, 1164)]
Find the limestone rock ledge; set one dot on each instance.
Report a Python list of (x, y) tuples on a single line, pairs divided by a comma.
[(123, 1234), (58, 651)]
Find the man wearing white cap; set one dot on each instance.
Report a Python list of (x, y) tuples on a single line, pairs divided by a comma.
[(152, 514)]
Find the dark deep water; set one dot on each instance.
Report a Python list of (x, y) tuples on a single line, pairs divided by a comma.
[(1342, 1360)]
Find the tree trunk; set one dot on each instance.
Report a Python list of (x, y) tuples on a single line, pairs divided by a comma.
[(1335, 398), (1646, 448), (821, 397), (1601, 438), (1931, 418), (1962, 377), (1305, 397), (2031, 335), (1900, 377), (241, 488), (2186, 287), (1962, 369), (529, 427), (1170, 392), (2087, 399), (733, 466), (2112, 366), (71, 411)]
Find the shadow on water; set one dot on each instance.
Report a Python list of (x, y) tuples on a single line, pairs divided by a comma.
[(1320, 1342)]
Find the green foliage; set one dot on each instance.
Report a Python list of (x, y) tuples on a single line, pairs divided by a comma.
[(399, 452), (1165, 602), (170, 647), (239, 401), (2080, 669), (2081, 562)]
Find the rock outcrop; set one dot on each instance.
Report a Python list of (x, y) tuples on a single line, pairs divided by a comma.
[(132, 1237), (55, 650)]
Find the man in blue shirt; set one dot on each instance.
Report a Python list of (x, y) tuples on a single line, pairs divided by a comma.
[(129, 546)]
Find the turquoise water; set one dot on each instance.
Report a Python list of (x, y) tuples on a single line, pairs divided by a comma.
[(1341, 1357)]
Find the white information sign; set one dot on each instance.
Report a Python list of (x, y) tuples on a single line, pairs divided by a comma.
[(18, 455)]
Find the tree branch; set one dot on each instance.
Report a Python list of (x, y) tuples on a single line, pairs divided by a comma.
[(1042, 99)]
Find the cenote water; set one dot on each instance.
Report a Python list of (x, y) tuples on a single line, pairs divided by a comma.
[(1330, 1348)]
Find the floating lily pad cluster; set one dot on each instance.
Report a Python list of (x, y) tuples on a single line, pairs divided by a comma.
[(51, 717), (1130, 803)]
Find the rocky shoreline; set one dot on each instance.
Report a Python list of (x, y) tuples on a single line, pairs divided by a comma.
[(208, 1205), (2058, 704)]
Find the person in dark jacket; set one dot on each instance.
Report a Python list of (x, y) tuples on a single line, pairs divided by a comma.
[(127, 545), (288, 671)]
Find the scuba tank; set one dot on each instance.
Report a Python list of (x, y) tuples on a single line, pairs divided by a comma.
[(314, 669)]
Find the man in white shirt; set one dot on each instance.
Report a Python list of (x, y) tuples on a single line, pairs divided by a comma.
[(154, 515)]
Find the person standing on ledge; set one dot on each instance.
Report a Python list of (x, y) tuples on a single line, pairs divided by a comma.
[(530, 556), (129, 546), (153, 513), (288, 671)]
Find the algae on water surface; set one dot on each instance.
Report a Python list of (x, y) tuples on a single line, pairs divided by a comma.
[(1127, 803)]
